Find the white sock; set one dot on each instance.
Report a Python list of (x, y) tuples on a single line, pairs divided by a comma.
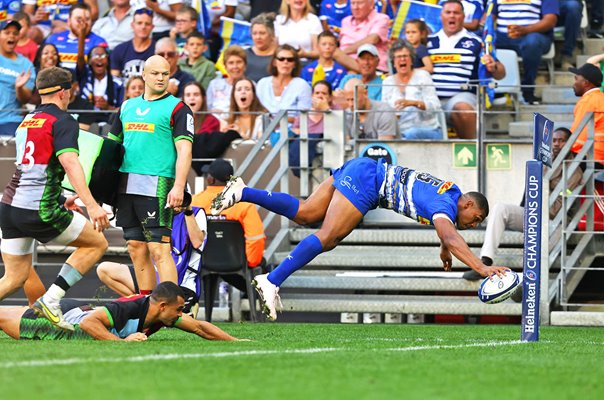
[(54, 293)]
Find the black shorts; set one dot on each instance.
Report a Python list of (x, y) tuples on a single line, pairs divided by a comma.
[(144, 218), (134, 281), (20, 222)]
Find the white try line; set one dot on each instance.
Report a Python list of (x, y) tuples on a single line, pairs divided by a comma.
[(179, 356)]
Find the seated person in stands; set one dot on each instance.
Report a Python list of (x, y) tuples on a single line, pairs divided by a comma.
[(412, 92), (325, 68), (166, 48), (259, 55), (96, 83), (245, 115), (375, 120), (416, 33), (367, 61), (321, 103), (195, 97), (202, 69), (185, 25), (284, 90), (128, 58), (219, 89), (134, 87), (511, 217), (473, 11)]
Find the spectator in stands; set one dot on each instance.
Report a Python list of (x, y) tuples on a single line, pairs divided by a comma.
[(571, 12), (219, 89), (333, 12), (202, 69), (365, 26), (367, 60), (246, 111), (116, 25), (218, 173), (511, 217), (80, 108), (164, 16), (588, 80), (67, 41), (96, 83), (134, 87), (25, 46), (47, 56), (216, 10), (321, 103), (186, 24), (368, 119), (166, 48), (412, 92), (455, 53), (195, 97), (416, 33), (259, 55), (526, 28), (473, 11), (283, 90), (297, 26), (325, 68), (53, 16), (595, 18), (17, 79), (128, 58)]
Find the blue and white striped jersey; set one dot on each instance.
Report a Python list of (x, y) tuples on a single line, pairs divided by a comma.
[(455, 60), (417, 195), (522, 12)]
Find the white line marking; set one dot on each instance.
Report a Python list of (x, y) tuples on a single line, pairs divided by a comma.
[(176, 356)]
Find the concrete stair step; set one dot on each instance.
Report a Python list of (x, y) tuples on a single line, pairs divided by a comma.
[(381, 280), (582, 59), (458, 305), (407, 257), (593, 46), (564, 78), (524, 129), (497, 121), (551, 111), (558, 95), (474, 237)]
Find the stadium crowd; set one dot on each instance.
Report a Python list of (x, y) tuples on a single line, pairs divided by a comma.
[(293, 44)]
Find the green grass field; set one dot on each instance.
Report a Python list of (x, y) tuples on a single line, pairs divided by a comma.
[(314, 361)]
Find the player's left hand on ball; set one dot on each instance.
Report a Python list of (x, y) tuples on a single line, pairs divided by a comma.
[(499, 271)]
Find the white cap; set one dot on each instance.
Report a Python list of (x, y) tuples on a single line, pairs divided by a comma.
[(369, 48)]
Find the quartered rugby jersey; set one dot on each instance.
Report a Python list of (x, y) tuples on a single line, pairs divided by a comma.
[(417, 195), (42, 136)]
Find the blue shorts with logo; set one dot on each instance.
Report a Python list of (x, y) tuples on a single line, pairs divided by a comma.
[(359, 182)]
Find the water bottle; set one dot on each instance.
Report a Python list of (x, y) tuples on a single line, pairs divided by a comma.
[(223, 295)]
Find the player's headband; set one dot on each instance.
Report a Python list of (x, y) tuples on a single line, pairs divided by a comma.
[(53, 89)]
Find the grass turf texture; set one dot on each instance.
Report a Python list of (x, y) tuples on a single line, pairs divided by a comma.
[(313, 361)]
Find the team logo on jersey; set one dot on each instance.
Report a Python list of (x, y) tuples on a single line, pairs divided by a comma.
[(444, 187), (445, 58), (142, 113), (32, 123), (466, 44), (139, 127), (423, 221)]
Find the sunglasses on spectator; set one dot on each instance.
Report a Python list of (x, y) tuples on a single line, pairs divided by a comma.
[(101, 56), (288, 59), (167, 54), (144, 11)]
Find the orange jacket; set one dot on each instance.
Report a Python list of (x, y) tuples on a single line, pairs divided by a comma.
[(248, 217), (592, 100)]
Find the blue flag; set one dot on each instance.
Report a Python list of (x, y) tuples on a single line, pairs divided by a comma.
[(203, 23), (429, 13), (488, 48)]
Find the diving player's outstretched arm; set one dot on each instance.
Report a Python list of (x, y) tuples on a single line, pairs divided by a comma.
[(452, 242), (203, 329)]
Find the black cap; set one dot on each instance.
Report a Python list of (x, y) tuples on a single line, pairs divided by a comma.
[(590, 72), (220, 169), (11, 22)]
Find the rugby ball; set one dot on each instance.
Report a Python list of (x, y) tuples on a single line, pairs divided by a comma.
[(495, 290)]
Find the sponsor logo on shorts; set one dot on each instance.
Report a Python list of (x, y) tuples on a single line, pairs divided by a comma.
[(150, 215), (444, 187), (32, 123), (139, 127), (346, 182), (445, 58)]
